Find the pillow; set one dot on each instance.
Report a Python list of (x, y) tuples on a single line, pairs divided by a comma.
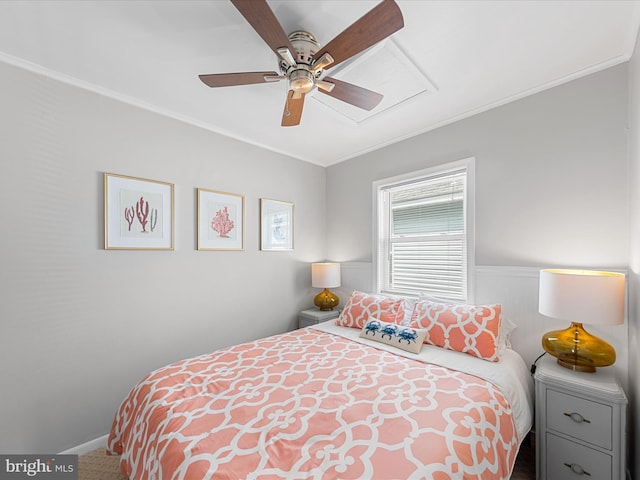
[(362, 306), (504, 337), (405, 338), (464, 328), (408, 311), (506, 325)]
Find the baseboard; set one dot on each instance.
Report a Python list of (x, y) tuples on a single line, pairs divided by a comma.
[(100, 442)]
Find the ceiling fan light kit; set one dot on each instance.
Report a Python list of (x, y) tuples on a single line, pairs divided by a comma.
[(303, 62)]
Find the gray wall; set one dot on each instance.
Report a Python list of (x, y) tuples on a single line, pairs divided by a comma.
[(551, 178), (78, 324), (634, 255)]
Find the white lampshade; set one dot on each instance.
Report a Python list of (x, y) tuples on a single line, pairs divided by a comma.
[(325, 275), (583, 296)]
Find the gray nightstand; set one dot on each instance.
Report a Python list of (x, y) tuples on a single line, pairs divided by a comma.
[(314, 316), (580, 423)]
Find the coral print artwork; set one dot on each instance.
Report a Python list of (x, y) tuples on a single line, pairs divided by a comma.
[(141, 214), (138, 213), (222, 225), (220, 220)]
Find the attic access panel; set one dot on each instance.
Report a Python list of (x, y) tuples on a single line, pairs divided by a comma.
[(385, 69)]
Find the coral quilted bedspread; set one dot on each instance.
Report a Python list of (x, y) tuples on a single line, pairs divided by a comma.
[(313, 404)]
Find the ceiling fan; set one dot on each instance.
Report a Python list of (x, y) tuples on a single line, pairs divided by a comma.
[(302, 61)]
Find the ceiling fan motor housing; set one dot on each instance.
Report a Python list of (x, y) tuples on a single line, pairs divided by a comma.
[(301, 76), (301, 80)]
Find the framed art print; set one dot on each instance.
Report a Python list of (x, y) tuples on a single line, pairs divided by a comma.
[(138, 214), (220, 220), (276, 225)]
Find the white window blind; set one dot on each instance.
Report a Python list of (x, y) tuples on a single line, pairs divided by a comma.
[(423, 235)]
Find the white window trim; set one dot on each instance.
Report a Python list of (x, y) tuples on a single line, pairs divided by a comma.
[(469, 164)]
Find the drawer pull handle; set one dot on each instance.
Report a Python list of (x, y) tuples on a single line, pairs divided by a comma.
[(577, 469), (576, 417)]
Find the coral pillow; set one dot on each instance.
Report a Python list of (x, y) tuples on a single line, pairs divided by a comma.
[(464, 328), (362, 306), (405, 338)]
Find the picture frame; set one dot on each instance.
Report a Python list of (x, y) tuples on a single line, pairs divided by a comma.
[(276, 225), (138, 213), (220, 220)]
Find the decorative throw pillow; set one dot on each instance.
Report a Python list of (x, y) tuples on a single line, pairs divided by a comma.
[(405, 338), (472, 329), (504, 335), (360, 307), (507, 327)]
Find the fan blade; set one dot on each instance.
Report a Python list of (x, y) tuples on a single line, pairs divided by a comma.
[(264, 22), (231, 79), (376, 25), (352, 94), (292, 110)]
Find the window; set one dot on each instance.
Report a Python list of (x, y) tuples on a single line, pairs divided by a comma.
[(424, 232)]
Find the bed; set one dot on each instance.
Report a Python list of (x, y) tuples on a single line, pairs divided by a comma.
[(328, 401)]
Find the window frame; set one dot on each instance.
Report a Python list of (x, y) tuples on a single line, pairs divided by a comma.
[(468, 164)]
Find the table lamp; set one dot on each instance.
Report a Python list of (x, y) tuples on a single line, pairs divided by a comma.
[(325, 276), (581, 296)]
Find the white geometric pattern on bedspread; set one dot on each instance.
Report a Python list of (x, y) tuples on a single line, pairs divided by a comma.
[(309, 404)]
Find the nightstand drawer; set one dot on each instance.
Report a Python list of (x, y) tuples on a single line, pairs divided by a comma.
[(567, 460), (580, 418), (307, 322), (314, 316)]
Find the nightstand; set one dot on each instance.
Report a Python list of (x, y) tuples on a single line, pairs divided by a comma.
[(580, 424), (314, 316)]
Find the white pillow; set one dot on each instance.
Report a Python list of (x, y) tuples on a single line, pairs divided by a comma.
[(399, 336)]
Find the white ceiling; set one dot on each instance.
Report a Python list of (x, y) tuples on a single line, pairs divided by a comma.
[(452, 59)]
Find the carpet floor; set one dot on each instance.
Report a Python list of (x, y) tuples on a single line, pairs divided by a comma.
[(97, 465)]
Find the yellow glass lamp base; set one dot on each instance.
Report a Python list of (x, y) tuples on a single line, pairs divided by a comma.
[(326, 300), (577, 349)]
